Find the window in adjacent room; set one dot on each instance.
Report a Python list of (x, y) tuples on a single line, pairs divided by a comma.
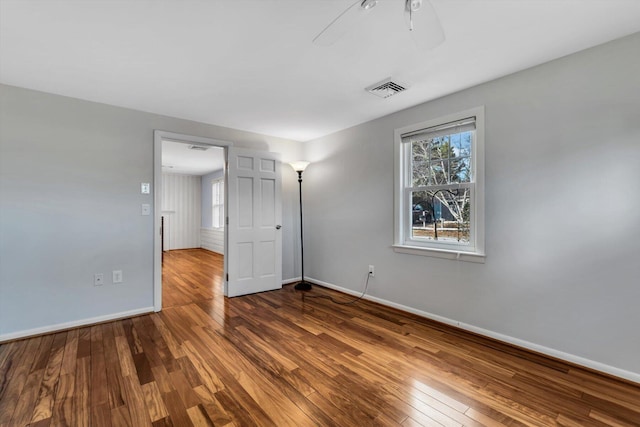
[(217, 203), (440, 185)]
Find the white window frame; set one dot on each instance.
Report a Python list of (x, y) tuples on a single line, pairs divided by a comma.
[(403, 243), (219, 183)]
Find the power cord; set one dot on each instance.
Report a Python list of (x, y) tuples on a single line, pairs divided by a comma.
[(366, 285)]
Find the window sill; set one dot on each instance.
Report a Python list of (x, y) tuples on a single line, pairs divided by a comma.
[(440, 253)]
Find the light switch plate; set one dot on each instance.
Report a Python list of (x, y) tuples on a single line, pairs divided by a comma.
[(145, 188), (117, 276)]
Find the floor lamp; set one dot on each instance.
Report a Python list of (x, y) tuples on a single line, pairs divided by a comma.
[(299, 167)]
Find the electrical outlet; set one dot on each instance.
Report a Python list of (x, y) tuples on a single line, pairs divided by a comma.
[(117, 276), (98, 279), (372, 270)]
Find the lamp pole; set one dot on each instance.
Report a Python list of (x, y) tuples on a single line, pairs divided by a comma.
[(299, 167)]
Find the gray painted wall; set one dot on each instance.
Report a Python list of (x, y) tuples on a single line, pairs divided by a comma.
[(70, 174), (562, 210)]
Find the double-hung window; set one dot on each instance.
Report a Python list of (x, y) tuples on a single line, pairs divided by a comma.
[(217, 203), (439, 187)]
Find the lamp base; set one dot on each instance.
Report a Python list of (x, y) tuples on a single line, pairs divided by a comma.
[(303, 286)]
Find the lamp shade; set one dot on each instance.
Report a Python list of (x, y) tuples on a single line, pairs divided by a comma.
[(299, 166)]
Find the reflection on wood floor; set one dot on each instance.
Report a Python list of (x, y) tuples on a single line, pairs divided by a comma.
[(271, 359), (190, 276)]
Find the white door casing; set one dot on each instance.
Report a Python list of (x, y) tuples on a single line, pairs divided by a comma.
[(254, 212)]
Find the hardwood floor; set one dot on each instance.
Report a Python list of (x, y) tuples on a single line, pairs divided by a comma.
[(273, 360), (190, 276)]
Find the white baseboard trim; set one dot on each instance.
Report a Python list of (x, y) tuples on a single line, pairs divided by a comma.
[(211, 250), (587, 363), (288, 281), (74, 324)]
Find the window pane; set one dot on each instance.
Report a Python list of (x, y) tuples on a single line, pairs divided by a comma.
[(455, 144), (460, 169), (441, 160), (440, 148), (420, 163), (463, 144), (443, 215), (438, 172), (421, 207)]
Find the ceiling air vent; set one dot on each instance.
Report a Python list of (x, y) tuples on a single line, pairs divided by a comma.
[(386, 88), (198, 148)]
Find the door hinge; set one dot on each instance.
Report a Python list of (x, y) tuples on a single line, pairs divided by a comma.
[(226, 220), (227, 277)]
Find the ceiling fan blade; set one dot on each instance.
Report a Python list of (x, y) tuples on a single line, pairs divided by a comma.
[(341, 25), (424, 25)]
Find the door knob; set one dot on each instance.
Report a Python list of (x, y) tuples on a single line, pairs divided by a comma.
[(278, 227)]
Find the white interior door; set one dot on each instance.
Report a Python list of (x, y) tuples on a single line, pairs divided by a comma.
[(254, 216)]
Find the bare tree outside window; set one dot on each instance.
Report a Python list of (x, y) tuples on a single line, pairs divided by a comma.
[(438, 163)]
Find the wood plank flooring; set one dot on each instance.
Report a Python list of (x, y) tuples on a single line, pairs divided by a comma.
[(273, 360)]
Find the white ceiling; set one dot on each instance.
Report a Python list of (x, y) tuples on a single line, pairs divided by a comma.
[(179, 158), (250, 64)]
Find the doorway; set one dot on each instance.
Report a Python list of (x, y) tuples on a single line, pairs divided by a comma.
[(190, 178), (252, 222), (192, 222)]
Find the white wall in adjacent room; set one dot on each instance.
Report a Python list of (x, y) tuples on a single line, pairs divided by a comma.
[(182, 210)]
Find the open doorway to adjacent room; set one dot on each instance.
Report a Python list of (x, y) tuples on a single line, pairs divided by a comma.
[(252, 214), (192, 217)]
